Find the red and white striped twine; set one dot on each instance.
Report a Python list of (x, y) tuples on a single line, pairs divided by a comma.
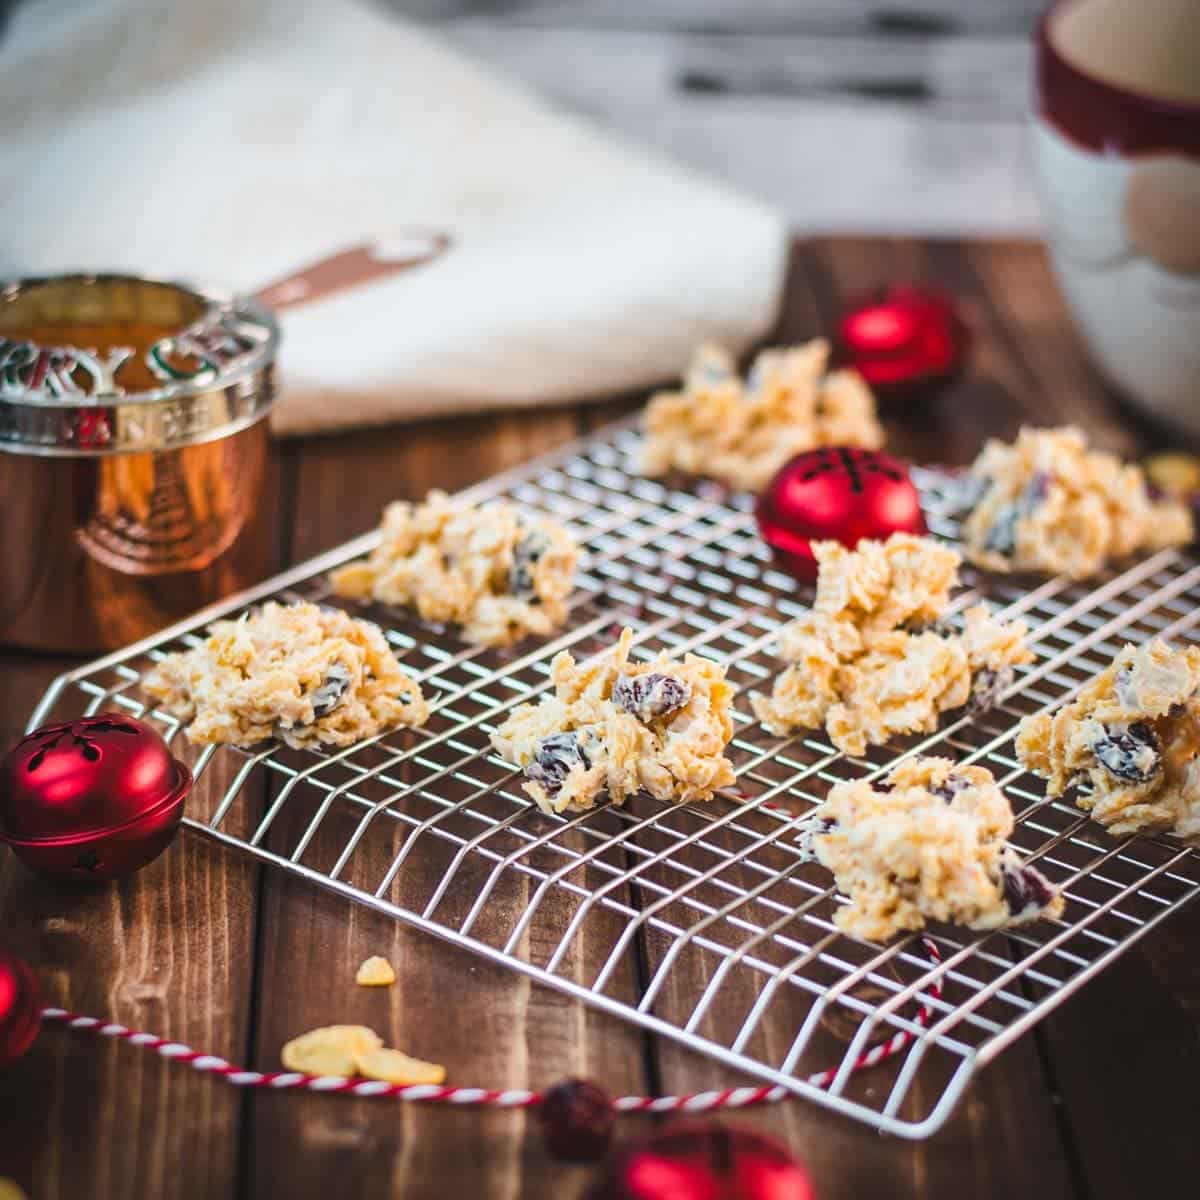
[(742, 1097)]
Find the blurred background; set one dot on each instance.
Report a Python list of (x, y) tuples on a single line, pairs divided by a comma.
[(848, 115)]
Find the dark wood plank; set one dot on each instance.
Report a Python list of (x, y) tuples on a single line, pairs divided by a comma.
[(164, 952), (167, 951), (490, 1027), (1028, 365), (1134, 1026), (1003, 1136), (1124, 1054), (1092, 1105)]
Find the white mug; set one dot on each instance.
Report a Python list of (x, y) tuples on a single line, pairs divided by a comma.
[(1117, 154)]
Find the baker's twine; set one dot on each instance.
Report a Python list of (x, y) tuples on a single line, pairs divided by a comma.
[(742, 1097)]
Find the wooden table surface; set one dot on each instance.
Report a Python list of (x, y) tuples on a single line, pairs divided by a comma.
[(207, 948)]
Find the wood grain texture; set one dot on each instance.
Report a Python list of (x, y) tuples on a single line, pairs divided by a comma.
[(1003, 1140), (166, 951), (490, 1027), (202, 946)]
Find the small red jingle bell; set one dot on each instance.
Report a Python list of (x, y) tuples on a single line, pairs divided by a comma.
[(94, 798), (840, 494), (20, 1009), (703, 1161), (904, 340)]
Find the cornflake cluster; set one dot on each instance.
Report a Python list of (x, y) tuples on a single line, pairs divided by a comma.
[(1132, 737), (497, 571), (305, 674), (875, 657), (741, 433), (1047, 503), (613, 727), (926, 844)]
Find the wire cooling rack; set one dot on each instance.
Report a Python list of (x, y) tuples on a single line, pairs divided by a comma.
[(702, 923)]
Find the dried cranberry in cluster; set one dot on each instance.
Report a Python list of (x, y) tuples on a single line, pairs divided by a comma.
[(577, 1120), (526, 555), (950, 787), (988, 686), (1025, 888), (1129, 752), (813, 828), (1002, 537), (555, 757), (649, 696), (332, 691)]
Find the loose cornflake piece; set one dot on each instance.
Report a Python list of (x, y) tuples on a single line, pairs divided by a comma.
[(875, 658), (299, 672), (391, 1066), (330, 1050), (926, 844), (1175, 474), (1131, 738), (1047, 503), (613, 728), (375, 971), (499, 572), (740, 432)]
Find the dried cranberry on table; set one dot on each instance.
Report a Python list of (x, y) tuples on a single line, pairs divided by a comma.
[(577, 1120)]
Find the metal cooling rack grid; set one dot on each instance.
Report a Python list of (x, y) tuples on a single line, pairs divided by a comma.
[(701, 923)]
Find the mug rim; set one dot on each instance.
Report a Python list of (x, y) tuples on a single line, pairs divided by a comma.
[(1107, 116), (1137, 95)]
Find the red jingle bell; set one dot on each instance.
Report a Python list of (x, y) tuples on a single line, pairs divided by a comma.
[(95, 798), (840, 494), (703, 1161), (20, 1009), (903, 340)]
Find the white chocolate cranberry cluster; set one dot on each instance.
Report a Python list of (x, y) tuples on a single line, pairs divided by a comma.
[(875, 657)]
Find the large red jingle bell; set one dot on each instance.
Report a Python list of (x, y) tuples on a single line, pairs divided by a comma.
[(20, 1009), (94, 798), (904, 340), (839, 494), (703, 1161)]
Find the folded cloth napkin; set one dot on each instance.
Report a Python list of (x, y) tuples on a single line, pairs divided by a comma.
[(236, 141)]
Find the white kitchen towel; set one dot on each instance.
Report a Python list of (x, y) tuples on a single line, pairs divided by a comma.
[(235, 141)]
